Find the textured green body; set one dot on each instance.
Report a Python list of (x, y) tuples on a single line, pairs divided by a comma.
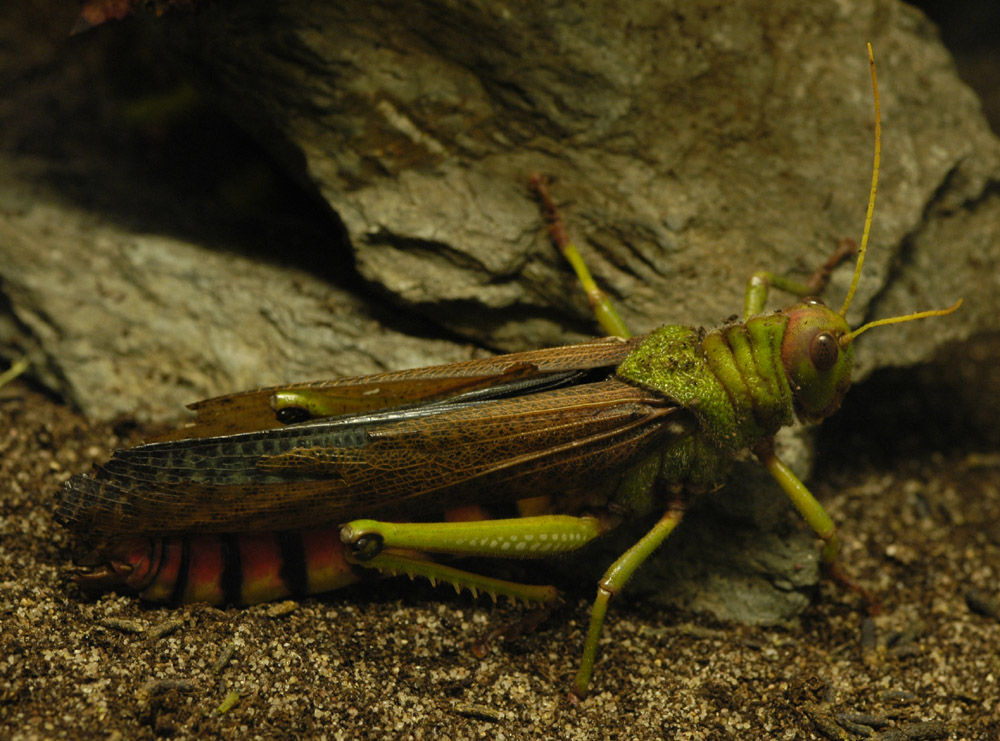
[(730, 380)]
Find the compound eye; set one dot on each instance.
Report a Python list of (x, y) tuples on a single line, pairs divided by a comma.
[(824, 351)]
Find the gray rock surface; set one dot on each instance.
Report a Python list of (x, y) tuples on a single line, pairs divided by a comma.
[(690, 148)]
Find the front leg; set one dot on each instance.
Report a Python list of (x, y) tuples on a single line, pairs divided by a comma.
[(815, 515), (757, 286)]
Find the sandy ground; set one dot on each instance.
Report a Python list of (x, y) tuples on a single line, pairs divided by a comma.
[(390, 659)]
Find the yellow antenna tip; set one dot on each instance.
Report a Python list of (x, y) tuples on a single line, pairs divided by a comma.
[(848, 338)]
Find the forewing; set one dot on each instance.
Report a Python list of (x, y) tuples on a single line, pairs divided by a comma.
[(389, 465), (251, 411)]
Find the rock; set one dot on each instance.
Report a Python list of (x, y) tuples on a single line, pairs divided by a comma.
[(689, 149)]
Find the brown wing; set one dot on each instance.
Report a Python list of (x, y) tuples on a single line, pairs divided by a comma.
[(251, 411), (389, 464)]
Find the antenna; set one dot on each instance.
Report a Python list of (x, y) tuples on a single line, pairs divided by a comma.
[(846, 339), (871, 196)]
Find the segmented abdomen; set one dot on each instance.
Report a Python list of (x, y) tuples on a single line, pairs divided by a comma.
[(243, 568)]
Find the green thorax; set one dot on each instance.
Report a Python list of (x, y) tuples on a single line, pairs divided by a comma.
[(731, 379)]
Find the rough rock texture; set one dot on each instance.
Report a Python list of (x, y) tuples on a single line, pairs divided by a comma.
[(141, 324), (689, 147)]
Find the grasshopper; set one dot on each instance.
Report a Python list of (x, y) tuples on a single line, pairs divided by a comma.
[(304, 488)]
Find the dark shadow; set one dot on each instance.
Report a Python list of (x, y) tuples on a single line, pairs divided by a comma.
[(946, 407)]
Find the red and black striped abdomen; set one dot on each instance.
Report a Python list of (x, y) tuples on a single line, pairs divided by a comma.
[(243, 568)]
